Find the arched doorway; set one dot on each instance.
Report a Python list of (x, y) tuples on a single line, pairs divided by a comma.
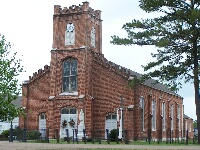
[(42, 124), (110, 123), (68, 121)]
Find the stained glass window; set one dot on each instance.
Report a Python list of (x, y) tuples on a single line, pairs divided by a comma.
[(153, 115), (73, 111), (65, 111), (68, 111), (111, 116), (172, 117), (42, 116), (179, 116), (142, 106), (70, 74), (163, 116)]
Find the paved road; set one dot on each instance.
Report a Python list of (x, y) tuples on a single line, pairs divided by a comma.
[(5, 145)]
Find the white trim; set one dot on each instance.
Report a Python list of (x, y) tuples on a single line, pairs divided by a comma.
[(69, 93)]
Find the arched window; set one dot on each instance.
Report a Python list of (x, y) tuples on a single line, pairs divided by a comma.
[(142, 106), (93, 37), (70, 75), (179, 116), (42, 116), (68, 111), (42, 122), (70, 34), (154, 115), (163, 116), (172, 116), (111, 116)]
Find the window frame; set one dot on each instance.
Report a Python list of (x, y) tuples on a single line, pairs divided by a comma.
[(42, 115), (93, 37), (69, 76), (189, 126), (172, 116), (142, 106), (153, 121), (163, 116), (111, 116), (68, 110), (70, 34), (179, 116)]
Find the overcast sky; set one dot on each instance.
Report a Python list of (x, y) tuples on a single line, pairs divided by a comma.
[(28, 25)]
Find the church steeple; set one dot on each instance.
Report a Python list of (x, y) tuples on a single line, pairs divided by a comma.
[(77, 26)]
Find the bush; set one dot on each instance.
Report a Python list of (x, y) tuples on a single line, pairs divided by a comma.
[(66, 139), (6, 133), (3, 138), (33, 135), (17, 133), (114, 134)]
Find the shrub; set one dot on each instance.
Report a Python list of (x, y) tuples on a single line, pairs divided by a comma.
[(17, 133), (66, 139), (6, 133), (33, 135), (114, 134)]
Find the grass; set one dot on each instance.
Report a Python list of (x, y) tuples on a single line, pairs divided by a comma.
[(163, 143), (103, 142)]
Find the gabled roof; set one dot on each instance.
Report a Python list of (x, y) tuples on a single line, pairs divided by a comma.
[(98, 57), (18, 102), (154, 84), (186, 117)]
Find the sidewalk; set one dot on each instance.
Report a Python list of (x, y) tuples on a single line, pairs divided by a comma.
[(5, 145)]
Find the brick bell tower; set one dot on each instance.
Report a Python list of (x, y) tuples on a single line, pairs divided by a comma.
[(76, 27), (76, 30)]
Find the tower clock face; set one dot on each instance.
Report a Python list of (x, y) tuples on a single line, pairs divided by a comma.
[(70, 27)]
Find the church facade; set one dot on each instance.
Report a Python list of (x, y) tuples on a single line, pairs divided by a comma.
[(81, 89)]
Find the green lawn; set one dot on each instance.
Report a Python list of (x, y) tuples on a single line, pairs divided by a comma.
[(175, 143)]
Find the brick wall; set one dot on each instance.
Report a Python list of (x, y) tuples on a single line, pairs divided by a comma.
[(107, 88), (160, 97), (188, 125), (35, 94)]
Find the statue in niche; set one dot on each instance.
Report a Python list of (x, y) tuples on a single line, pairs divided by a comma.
[(81, 125), (81, 117)]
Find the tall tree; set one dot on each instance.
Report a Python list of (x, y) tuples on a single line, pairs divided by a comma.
[(9, 89), (176, 34), (195, 124)]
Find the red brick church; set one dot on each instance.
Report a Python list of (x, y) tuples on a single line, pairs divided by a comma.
[(81, 89)]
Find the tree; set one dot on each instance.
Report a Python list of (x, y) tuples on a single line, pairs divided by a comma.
[(9, 90), (176, 34), (195, 124)]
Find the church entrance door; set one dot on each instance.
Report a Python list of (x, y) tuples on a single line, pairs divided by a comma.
[(42, 124), (68, 121), (111, 123)]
